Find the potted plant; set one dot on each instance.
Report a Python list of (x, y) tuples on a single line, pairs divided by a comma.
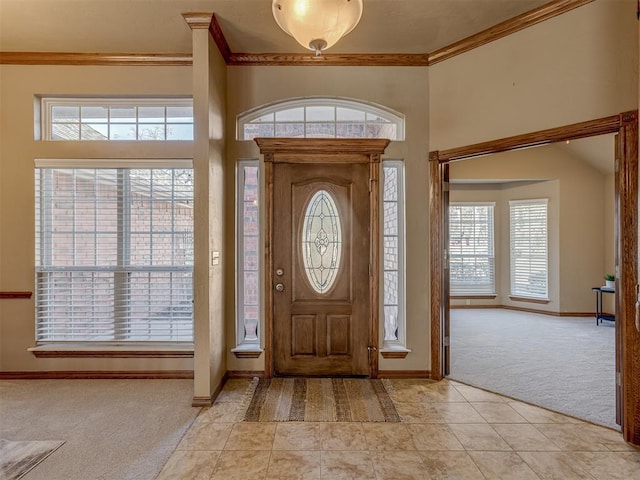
[(610, 280)]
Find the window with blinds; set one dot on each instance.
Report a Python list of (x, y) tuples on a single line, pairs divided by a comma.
[(114, 251), (471, 249), (529, 248)]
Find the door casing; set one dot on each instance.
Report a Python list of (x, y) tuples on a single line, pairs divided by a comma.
[(323, 151), (626, 243)]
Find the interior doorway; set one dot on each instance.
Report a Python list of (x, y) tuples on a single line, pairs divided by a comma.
[(626, 218)]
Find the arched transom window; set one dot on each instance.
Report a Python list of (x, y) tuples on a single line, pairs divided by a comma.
[(321, 118)]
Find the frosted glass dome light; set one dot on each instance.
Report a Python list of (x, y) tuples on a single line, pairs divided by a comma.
[(317, 24)]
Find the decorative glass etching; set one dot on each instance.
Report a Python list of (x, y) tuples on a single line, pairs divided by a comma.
[(321, 241)]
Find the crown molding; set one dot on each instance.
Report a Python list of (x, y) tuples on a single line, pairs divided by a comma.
[(113, 59), (210, 22), (515, 24), (331, 59), (219, 39)]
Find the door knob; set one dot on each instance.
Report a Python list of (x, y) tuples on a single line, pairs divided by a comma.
[(279, 287)]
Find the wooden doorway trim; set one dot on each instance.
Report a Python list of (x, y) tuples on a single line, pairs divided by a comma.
[(628, 342), (323, 151)]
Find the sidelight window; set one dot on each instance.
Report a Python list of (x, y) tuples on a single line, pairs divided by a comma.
[(393, 294)]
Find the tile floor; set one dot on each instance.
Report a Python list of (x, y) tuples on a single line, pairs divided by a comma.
[(449, 431)]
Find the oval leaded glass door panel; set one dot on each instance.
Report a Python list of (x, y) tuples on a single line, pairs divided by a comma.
[(321, 241)]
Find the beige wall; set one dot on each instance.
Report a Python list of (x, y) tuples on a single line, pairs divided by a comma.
[(209, 101), (401, 89), (577, 218), (574, 67), (578, 66), (18, 149)]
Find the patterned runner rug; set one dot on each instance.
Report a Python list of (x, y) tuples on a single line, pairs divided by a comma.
[(17, 458), (319, 400)]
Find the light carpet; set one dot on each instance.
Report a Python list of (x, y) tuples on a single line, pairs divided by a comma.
[(17, 458), (564, 364), (113, 429), (319, 400)]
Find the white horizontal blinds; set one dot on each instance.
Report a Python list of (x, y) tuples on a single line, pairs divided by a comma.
[(529, 248), (471, 249), (117, 119), (114, 254)]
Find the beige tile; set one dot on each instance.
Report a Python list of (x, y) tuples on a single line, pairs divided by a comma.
[(407, 393), (297, 436), (418, 413), (612, 439), (433, 437), (189, 465), (535, 414), (572, 437), (556, 465), (503, 466), (241, 465), (611, 465), (205, 434), (524, 437), (387, 436), (494, 412), (346, 465), (227, 412), (398, 465), (342, 436), (442, 393), (473, 394), (479, 437), (458, 413), (234, 390), (449, 466), (414, 383), (251, 436), (294, 464)]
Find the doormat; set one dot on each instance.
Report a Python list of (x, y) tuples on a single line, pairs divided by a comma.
[(18, 458), (319, 400)]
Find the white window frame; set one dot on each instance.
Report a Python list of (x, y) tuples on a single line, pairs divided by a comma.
[(243, 343), (515, 290), (390, 116), (48, 103), (465, 291), (398, 343), (43, 251)]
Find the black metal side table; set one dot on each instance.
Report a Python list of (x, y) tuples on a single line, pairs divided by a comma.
[(599, 315)]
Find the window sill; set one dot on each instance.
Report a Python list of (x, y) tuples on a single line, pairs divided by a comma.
[(529, 299), (488, 296), (247, 351), (111, 351), (394, 352)]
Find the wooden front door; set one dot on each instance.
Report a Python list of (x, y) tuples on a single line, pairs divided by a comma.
[(322, 256)]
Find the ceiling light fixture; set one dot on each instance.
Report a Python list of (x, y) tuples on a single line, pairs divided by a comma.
[(317, 24)]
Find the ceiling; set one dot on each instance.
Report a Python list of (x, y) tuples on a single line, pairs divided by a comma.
[(157, 26)]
